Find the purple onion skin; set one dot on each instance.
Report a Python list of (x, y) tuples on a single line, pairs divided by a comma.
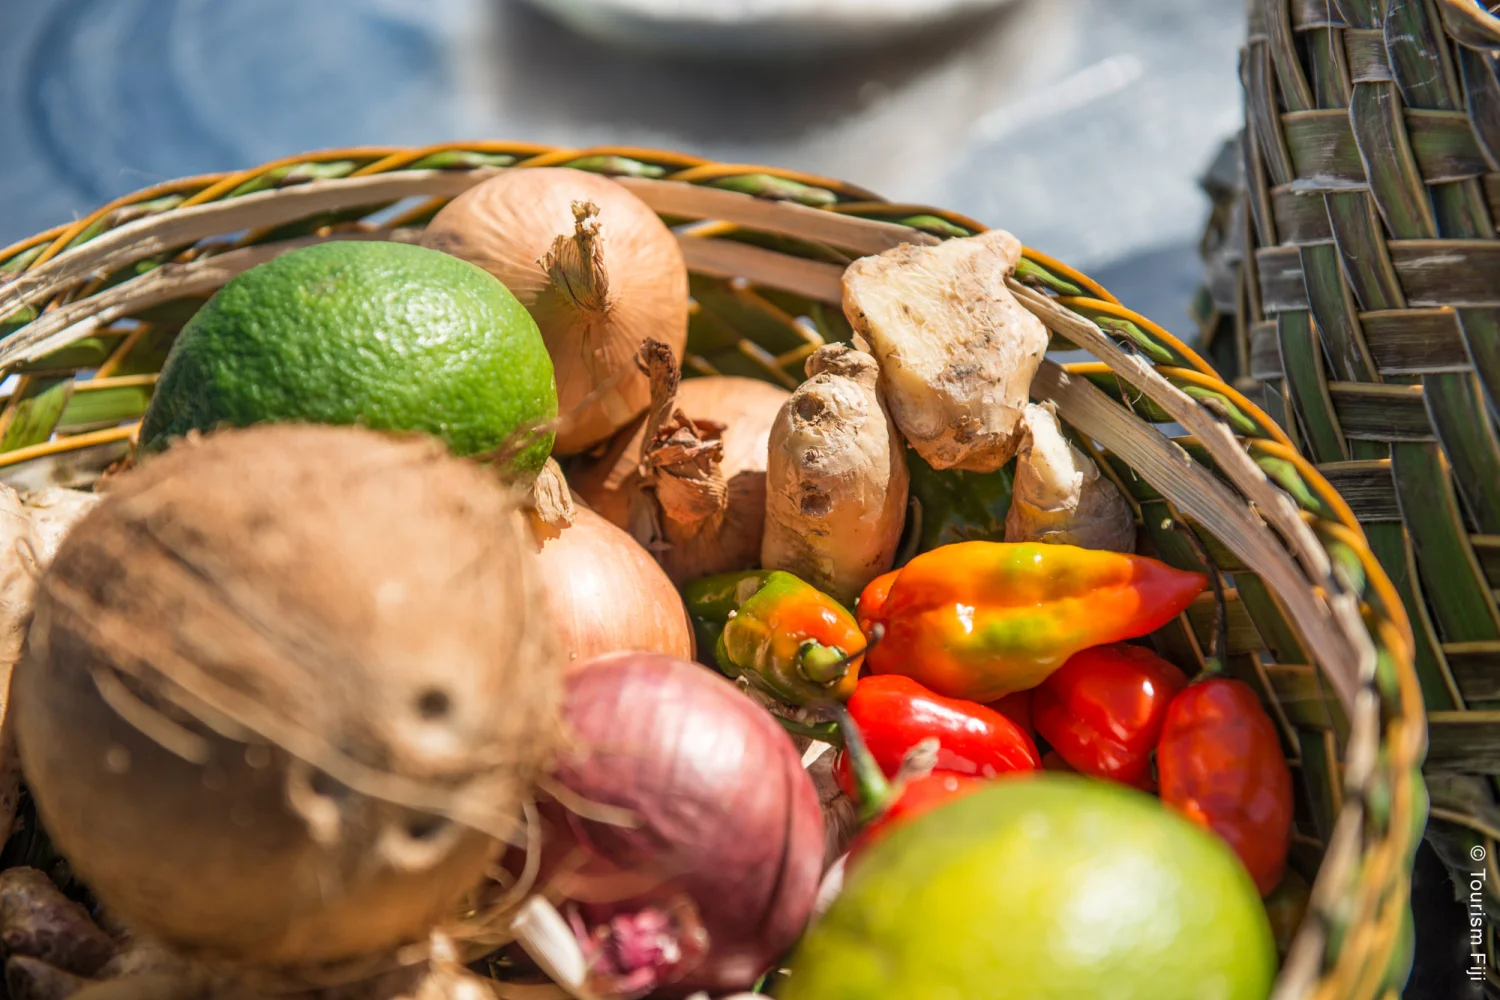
[(726, 815)]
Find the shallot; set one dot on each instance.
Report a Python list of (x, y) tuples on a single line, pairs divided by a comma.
[(606, 593)]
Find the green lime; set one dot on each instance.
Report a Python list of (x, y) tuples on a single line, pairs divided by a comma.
[(1042, 888), (386, 335)]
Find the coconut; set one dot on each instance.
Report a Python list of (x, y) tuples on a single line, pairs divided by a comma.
[(284, 690)]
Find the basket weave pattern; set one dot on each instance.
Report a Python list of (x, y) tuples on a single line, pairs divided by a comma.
[(88, 311), (1370, 320)]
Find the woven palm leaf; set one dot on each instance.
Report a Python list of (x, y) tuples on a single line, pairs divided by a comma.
[(1367, 319), (88, 311)]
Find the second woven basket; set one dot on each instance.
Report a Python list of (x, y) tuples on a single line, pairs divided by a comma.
[(1367, 318)]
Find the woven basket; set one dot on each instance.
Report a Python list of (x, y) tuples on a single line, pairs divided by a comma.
[(1369, 323), (88, 311)]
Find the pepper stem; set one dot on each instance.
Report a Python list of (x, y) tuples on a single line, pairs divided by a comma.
[(575, 264), (822, 664), (1218, 640), (873, 793)]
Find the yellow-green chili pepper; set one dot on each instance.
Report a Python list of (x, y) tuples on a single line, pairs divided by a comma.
[(712, 600), (781, 634)]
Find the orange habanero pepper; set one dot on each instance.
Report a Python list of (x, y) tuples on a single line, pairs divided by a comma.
[(980, 620)]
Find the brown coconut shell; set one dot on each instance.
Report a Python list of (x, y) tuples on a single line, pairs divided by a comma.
[(284, 688)]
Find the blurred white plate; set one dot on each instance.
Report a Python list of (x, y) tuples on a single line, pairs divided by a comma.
[(755, 27)]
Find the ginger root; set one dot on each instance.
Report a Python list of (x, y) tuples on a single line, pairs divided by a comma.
[(957, 352), (1060, 495), (836, 478)]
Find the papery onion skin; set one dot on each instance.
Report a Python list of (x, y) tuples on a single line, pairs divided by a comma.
[(726, 815), (746, 408), (509, 224), (606, 593)]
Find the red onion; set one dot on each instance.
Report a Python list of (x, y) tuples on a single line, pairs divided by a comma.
[(717, 877)]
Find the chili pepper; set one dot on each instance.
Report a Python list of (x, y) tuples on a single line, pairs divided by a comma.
[(916, 797), (792, 641), (1102, 711), (872, 599), (712, 600), (1220, 764), (980, 620), (896, 713), (1017, 707), (915, 789)]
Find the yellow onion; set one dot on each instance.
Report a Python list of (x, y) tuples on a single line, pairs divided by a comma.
[(597, 270), (690, 483), (606, 593)]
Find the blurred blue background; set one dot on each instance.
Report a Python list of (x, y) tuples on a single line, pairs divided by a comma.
[(1080, 125)]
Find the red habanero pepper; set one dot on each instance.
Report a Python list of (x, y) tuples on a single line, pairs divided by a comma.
[(1103, 710), (980, 620), (883, 804), (896, 713), (914, 799), (1017, 707), (1220, 764)]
